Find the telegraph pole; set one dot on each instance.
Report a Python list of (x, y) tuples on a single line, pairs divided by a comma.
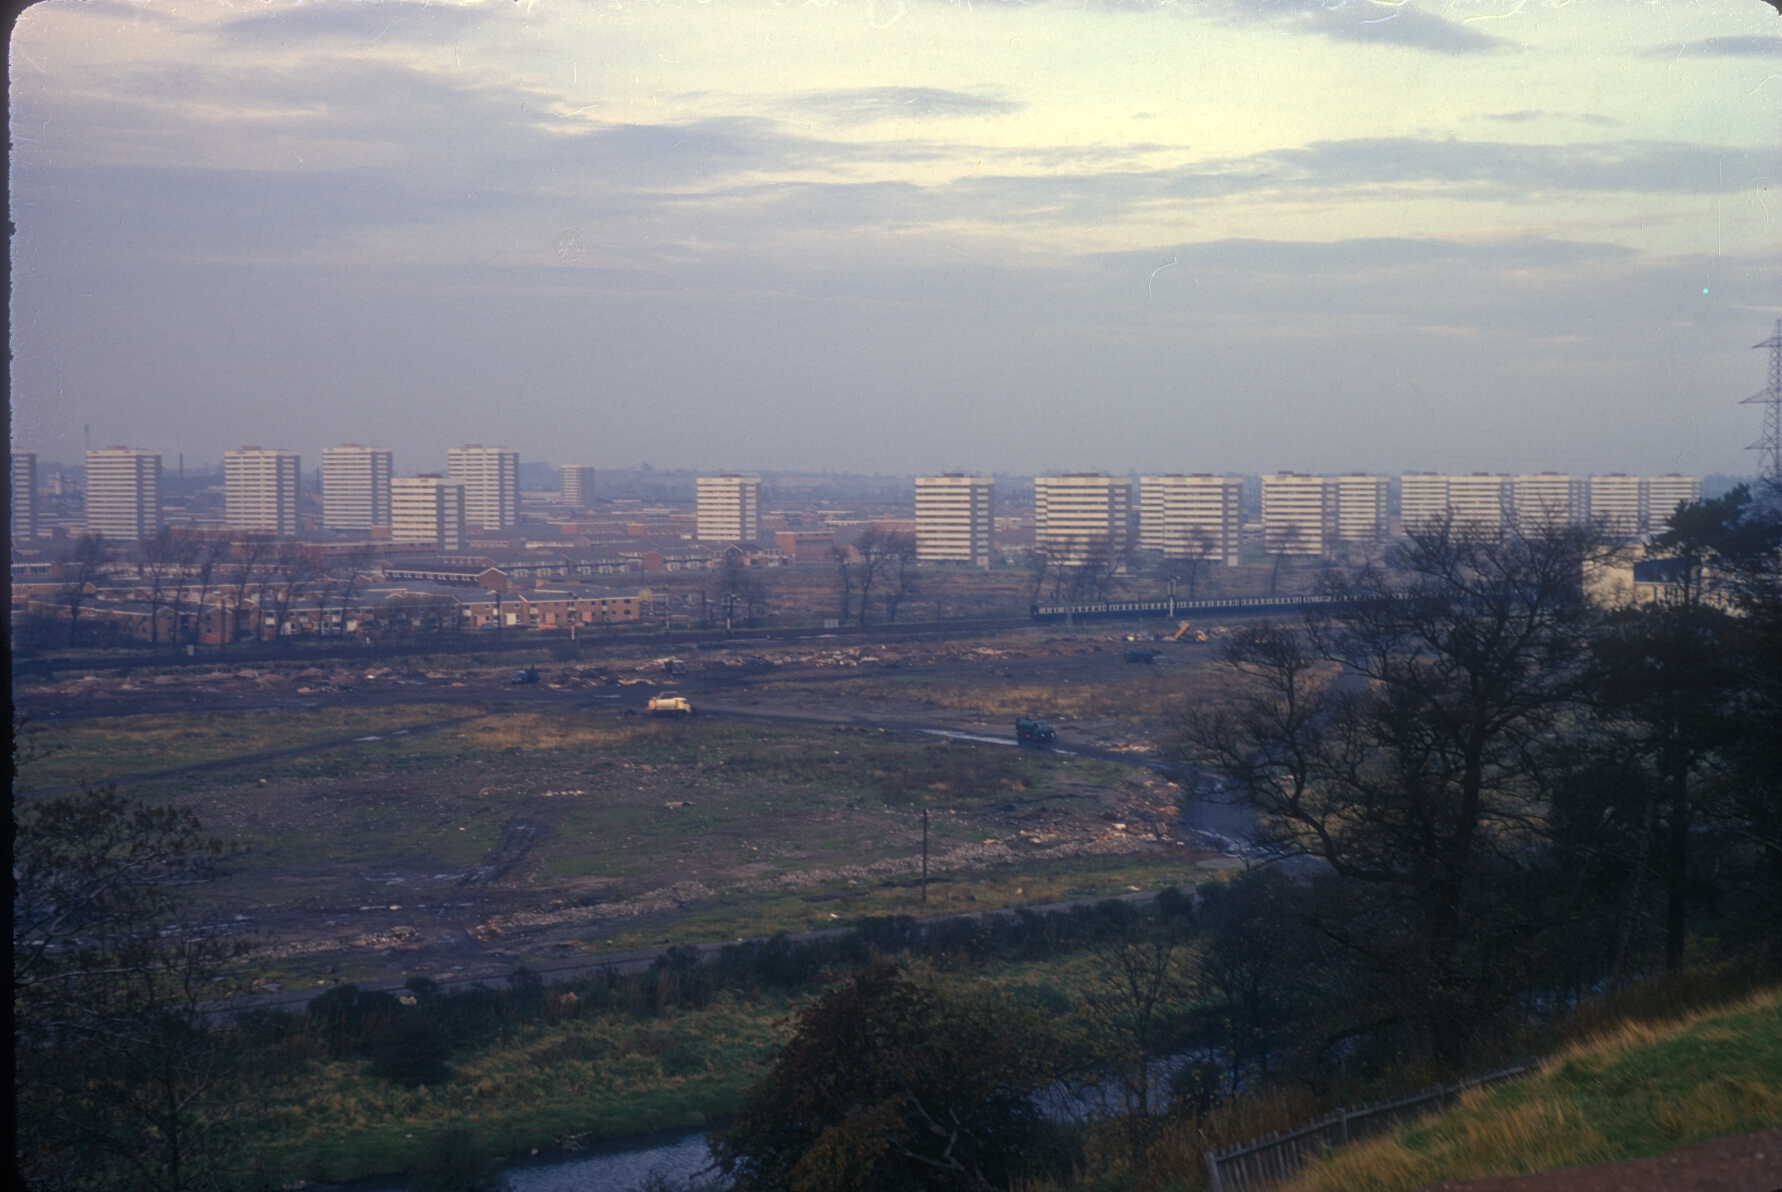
[(925, 856), (1769, 446)]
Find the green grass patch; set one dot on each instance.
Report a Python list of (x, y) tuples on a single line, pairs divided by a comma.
[(608, 1075), (1641, 1090)]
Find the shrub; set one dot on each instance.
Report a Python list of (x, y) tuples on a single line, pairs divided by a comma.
[(456, 1161), (412, 1051)]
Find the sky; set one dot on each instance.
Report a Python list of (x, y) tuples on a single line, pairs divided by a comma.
[(901, 236)]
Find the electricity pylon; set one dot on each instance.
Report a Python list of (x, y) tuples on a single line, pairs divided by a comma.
[(1769, 446)]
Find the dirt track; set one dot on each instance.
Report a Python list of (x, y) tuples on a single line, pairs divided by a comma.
[(1749, 1163)]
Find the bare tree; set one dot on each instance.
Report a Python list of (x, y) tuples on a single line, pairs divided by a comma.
[(162, 571), (291, 569), (1403, 738), (1286, 543), (353, 565), (844, 580), (900, 550), (199, 561), (1038, 561), (321, 595), (1134, 1012), (250, 554), (1197, 547), (876, 548), (92, 555), (119, 1064), (1095, 565)]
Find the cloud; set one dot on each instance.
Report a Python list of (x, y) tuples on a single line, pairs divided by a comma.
[(1530, 115), (861, 105), (313, 25), (1723, 47), (1651, 167), (1370, 22)]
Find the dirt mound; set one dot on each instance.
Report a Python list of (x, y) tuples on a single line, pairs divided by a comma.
[(1749, 1163)]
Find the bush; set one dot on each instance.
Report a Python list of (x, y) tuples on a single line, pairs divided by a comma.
[(456, 1161), (889, 1084), (412, 1051)]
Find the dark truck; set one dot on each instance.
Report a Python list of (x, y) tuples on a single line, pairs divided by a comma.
[(1143, 655), (525, 675), (1034, 732)]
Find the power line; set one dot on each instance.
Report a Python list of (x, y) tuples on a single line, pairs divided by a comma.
[(1769, 446)]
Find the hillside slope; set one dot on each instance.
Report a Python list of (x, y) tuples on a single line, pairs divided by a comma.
[(1641, 1091)]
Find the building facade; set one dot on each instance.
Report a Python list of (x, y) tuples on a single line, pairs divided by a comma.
[(356, 486), (1480, 503), (1546, 500), (123, 493), (1422, 500), (1664, 494), (955, 519), (1618, 504), (1361, 507), (24, 495), (729, 508), (260, 490), (1081, 514), (491, 479), (1299, 514), (429, 508), (1191, 517), (578, 485)]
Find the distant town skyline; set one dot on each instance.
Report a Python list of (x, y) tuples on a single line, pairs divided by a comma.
[(901, 238)]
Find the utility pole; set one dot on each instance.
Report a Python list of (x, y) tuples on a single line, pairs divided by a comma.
[(925, 856), (1769, 445)]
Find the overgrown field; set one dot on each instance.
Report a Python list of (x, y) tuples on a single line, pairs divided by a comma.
[(114, 749), (539, 835), (1638, 1090), (1142, 697), (360, 1084)]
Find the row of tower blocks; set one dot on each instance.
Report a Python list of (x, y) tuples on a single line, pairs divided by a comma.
[(479, 490), (1176, 516)]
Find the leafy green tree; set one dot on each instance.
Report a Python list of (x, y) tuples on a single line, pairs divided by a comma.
[(891, 1084)]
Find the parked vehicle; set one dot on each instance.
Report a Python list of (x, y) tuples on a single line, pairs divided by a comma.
[(1142, 655), (1034, 732), (669, 704), (673, 666), (525, 675)]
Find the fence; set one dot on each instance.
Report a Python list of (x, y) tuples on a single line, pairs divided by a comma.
[(1266, 1161), (1173, 607)]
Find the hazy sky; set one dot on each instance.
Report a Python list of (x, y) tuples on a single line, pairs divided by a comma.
[(902, 236)]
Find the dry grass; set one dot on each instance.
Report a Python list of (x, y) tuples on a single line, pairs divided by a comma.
[(1631, 1090), (111, 749)]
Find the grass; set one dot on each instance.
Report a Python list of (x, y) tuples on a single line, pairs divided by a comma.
[(693, 830), (1143, 694), (959, 892), (603, 1075), (1636, 1090), (114, 749)]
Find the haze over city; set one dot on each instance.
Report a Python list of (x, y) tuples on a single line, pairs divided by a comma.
[(900, 237)]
